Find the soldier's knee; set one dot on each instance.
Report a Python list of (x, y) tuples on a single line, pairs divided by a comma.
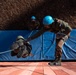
[(58, 48)]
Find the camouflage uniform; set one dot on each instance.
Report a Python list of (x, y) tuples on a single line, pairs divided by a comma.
[(21, 48), (34, 24), (62, 31)]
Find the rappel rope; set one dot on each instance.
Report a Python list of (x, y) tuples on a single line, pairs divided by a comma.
[(6, 51), (28, 37), (54, 41), (13, 50), (30, 34)]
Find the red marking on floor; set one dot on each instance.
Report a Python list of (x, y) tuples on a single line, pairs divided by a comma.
[(17, 72), (37, 68), (60, 72), (70, 65)]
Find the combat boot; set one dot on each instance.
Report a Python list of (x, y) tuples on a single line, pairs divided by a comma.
[(57, 62)]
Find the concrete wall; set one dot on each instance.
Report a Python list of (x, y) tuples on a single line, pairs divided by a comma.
[(15, 14)]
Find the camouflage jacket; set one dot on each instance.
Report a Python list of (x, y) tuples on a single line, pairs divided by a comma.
[(58, 26), (34, 25)]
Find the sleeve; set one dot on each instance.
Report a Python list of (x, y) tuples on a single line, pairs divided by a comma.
[(40, 32), (14, 46)]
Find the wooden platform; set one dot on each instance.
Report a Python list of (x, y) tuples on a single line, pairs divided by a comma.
[(36, 68)]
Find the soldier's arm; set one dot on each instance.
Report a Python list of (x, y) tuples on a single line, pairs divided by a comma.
[(40, 32)]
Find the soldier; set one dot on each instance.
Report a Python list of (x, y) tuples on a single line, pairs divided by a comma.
[(34, 24), (62, 31), (21, 48)]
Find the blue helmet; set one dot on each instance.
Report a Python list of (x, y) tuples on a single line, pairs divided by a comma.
[(47, 20), (33, 17)]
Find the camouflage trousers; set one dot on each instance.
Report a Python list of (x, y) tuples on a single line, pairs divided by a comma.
[(59, 43)]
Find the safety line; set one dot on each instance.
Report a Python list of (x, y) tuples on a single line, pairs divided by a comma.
[(13, 50), (6, 51)]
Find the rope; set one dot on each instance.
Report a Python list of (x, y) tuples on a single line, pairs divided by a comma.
[(54, 41), (28, 37), (30, 34), (6, 51), (13, 50)]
